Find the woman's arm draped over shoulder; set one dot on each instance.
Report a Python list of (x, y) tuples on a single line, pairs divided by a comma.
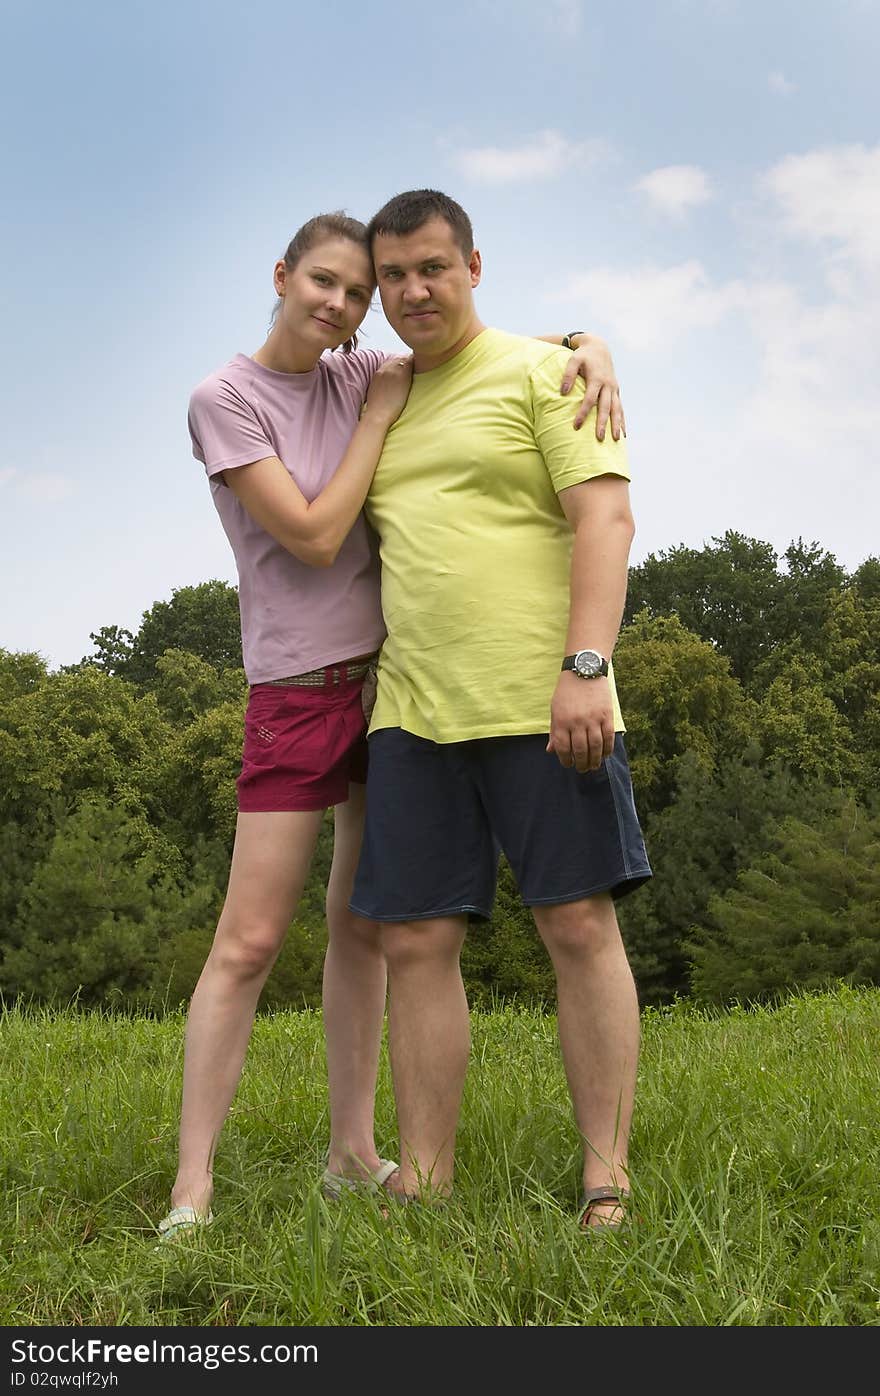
[(591, 359)]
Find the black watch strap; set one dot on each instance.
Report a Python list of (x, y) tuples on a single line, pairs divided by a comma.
[(569, 663), (567, 338)]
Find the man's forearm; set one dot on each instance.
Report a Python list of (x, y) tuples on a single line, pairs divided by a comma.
[(599, 571)]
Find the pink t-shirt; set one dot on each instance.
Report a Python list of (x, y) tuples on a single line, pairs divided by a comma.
[(293, 617)]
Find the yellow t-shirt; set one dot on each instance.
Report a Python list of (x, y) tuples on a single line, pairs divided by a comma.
[(475, 548)]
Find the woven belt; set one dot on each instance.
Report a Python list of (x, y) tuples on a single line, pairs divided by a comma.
[(331, 674)]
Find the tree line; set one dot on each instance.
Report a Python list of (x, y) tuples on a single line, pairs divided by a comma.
[(750, 685)]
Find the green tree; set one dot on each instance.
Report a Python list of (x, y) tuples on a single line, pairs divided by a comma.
[(203, 620), (23, 845), (711, 830), (735, 594), (806, 913), (814, 577), (20, 672), (728, 593), (113, 646), (76, 733), (678, 695), (193, 788), (91, 920), (799, 725), (187, 687), (866, 579)]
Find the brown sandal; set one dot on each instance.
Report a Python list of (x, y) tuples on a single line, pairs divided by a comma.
[(591, 1199)]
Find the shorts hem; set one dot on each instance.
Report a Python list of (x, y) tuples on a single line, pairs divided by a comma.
[(619, 887), (310, 807), (422, 915)]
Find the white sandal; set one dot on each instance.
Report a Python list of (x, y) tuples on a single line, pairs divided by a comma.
[(182, 1219), (333, 1185)]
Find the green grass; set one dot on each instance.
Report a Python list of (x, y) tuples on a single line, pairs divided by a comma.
[(756, 1156)]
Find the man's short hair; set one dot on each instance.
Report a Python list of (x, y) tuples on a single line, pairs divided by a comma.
[(408, 212)]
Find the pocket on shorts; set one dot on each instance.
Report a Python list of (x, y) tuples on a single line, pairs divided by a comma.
[(266, 724)]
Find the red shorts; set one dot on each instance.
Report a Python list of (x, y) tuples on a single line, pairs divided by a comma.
[(302, 746)]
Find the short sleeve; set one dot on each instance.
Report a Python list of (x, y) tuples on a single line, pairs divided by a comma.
[(570, 456), (364, 363), (224, 428)]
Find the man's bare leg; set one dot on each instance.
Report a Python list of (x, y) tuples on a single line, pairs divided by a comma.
[(598, 1033), (270, 863), (354, 1003), (429, 1043)]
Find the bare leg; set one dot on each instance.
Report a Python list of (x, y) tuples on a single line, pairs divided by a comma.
[(354, 1003), (270, 863), (598, 1032), (429, 1042)]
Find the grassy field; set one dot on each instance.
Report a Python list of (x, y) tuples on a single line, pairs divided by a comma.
[(756, 1158)]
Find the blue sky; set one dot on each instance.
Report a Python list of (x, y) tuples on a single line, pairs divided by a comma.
[(696, 180)]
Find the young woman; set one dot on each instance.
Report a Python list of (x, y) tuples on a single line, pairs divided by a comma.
[(290, 438)]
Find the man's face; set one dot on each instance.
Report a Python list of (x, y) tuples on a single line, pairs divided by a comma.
[(426, 285)]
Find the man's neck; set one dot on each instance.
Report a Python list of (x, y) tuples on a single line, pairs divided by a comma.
[(424, 362)]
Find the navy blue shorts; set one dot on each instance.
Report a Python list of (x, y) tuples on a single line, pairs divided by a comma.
[(439, 815)]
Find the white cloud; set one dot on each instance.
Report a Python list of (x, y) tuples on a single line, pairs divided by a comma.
[(48, 488), (543, 156), (831, 195), (779, 83), (675, 189), (801, 442), (810, 345), (555, 19), (821, 356), (566, 16), (650, 307)]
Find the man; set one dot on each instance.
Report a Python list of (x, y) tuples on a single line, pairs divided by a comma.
[(505, 539)]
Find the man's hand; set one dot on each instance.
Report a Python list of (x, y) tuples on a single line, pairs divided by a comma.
[(592, 360), (581, 722)]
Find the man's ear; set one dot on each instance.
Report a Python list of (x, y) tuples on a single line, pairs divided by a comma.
[(475, 267)]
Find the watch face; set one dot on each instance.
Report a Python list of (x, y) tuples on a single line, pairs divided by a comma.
[(588, 663)]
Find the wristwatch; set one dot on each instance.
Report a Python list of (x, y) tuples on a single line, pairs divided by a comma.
[(567, 338), (587, 664)]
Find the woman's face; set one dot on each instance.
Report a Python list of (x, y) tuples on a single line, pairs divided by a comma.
[(326, 296)]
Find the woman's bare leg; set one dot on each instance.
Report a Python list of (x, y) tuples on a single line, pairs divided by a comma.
[(270, 863), (354, 1002)]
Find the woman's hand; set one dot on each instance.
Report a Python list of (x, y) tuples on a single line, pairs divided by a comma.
[(592, 360), (389, 389)]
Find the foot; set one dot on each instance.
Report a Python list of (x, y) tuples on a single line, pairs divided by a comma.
[(603, 1208), (181, 1219), (365, 1180), (426, 1195), (197, 1196), (347, 1163)]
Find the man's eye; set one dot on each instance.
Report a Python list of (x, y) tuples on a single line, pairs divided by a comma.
[(322, 280), (434, 266)]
